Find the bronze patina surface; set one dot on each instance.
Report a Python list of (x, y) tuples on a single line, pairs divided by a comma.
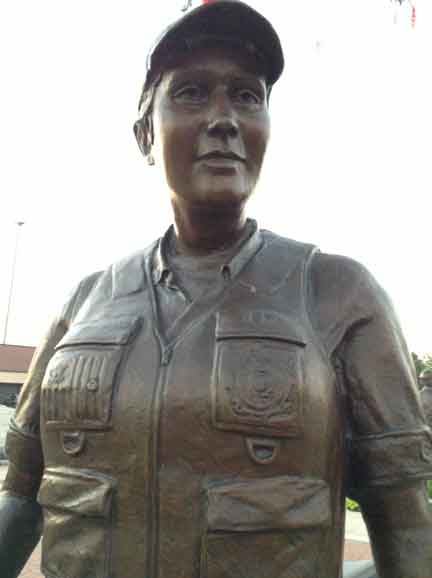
[(202, 408), (426, 394)]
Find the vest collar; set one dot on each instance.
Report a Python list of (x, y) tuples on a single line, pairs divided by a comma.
[(128, 275)]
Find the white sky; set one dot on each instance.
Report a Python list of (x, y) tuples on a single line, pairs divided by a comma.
[(349, 167)]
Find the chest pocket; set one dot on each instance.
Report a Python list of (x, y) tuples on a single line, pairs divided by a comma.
[(257, 381), (79, 382)]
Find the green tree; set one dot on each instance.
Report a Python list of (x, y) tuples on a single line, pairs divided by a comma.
[(427, 360), (421, 364), (418, 363)]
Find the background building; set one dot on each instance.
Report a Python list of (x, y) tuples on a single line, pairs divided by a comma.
[(14, 363)]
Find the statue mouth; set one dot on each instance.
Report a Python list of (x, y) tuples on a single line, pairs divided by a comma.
[(221, 156)]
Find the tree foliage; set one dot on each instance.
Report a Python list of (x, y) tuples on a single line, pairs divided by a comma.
[(422, 364)]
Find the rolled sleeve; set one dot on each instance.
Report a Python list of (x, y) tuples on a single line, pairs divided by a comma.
[(389, 458), (390, 440)]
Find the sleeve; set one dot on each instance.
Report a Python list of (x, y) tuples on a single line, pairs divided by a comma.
[(387, 434), (23, 445)]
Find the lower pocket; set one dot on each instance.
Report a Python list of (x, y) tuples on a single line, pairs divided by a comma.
[(289, 554), (263, 528), (77, 507)]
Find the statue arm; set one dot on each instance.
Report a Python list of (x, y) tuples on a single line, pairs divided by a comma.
[(20, 531), (399, 521), (389, 443), (20, 514)]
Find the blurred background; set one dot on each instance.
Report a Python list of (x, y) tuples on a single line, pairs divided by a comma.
[(349, 167)]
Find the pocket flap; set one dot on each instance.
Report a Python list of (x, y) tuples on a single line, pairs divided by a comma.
[(259, 323), (114, 331), (79, 491), (279, 503), (78, 386)]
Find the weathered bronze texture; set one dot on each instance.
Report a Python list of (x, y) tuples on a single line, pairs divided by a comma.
[(203, 407), (426, 394)]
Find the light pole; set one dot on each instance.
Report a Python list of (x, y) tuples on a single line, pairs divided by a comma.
[(19, 225)]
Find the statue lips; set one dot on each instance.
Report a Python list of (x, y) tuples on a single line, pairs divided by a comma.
[(221, 160)]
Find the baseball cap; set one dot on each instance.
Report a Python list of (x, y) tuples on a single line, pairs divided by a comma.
[(231, 19)]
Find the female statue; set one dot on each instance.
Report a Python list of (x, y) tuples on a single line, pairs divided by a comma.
[(203, 407)]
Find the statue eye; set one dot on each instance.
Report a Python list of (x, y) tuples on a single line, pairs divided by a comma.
[(190, 93), (248, 97)]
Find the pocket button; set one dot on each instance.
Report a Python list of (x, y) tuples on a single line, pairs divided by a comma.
[(93, 384)]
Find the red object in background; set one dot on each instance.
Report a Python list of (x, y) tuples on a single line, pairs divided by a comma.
[(413, 16)]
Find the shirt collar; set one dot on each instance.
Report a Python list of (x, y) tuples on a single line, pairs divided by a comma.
[(160, 263), (161, 269)]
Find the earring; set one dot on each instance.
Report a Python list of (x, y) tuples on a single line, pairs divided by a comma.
[(150, 160)]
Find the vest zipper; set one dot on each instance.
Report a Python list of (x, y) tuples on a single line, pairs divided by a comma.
[(153, 495)]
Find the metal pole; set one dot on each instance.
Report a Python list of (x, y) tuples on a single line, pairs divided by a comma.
[(19, 225)]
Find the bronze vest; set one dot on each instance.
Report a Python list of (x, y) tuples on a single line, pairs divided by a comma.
[(228, 432)]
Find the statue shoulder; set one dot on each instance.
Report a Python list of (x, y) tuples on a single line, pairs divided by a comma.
[(123, 277), (343, 293), (340, 276), (288, 244), (77, 297)]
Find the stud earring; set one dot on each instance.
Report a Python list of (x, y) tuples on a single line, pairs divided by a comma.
[(150, 160)]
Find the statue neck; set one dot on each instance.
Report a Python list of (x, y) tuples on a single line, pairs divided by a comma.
[(203, 228)]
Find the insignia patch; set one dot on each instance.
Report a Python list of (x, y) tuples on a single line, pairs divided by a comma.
[(78, 387), (257, 387), (57, 375)]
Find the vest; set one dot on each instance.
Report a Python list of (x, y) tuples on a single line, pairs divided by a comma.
[(214, 452)]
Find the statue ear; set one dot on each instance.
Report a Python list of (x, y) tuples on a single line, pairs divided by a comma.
[(143, 134)]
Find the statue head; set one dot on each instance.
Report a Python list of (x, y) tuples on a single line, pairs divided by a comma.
[(203, 111)]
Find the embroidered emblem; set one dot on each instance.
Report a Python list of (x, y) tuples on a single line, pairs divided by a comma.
[(57, 375), (258, 387)]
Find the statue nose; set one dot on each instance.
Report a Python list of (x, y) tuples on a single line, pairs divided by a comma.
[(224, 125), (222, 120)]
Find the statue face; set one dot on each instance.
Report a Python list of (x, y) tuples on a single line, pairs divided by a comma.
[(211, 126)]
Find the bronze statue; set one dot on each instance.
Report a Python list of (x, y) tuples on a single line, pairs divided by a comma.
[(202, 408), (426, 394)]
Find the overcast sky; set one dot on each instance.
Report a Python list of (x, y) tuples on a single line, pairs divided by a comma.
[(349, 167)]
